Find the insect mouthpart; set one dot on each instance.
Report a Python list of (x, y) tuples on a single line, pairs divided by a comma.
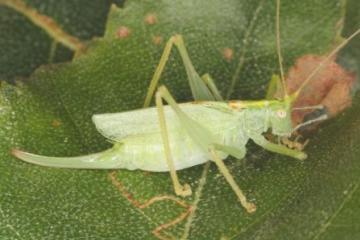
[(282, 134)]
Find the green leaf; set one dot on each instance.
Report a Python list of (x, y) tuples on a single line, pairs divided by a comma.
[(51, 115), (24, 46)]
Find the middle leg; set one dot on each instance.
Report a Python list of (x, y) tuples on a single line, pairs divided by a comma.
[(249, 206)]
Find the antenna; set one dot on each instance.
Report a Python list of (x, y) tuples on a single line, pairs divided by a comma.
[(278, 47), (321, 118), (322, 63), (308, 107)]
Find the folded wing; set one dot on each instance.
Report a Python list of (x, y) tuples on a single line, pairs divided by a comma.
[(116, 126)]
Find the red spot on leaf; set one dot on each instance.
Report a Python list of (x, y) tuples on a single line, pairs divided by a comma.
[(151, 19), (157, 40), (123, 32), (228, 54), (56, 123)]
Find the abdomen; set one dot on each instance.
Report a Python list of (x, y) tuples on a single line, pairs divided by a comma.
[(146, 152)]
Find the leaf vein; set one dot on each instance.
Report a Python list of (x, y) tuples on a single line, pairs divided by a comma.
[(241, 63), (336, 213), (194, 206)]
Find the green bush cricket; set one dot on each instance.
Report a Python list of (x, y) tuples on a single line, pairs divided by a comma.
[(179, 136)]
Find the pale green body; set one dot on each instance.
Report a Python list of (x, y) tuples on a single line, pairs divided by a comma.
[(142, 147), (138, 144)]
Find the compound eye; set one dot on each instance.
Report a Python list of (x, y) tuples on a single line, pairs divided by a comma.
[(281, 113)]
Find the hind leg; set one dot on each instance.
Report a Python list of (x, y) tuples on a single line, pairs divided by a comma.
[(202, 88), (182, 190), (204, 139)]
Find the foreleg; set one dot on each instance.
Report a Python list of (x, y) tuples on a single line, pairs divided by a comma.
[(277, 148)]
